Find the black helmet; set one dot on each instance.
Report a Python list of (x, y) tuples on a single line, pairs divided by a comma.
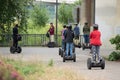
[(95, 26)]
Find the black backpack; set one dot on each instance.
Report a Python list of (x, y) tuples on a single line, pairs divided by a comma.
[(19, 38), (47, 34)]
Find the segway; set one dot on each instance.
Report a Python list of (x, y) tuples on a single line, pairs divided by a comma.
[(73, 57), (13, 49), (86, 47), (95, 62), (17, 49)]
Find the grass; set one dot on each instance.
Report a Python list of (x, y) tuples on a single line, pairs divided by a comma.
[(40, 71), (41, 30)]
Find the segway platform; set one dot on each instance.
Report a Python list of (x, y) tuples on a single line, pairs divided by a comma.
[(91, 63), (69, 57), (86, 47)]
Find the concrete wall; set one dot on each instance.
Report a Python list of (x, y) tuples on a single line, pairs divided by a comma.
[(107, 17)]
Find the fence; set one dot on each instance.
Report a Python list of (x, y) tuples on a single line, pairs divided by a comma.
[(30, 40)]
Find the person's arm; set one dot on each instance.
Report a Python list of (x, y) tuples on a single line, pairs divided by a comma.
[(65, 33), (90, 35), (78, 30), (73, 35), (83, 29)]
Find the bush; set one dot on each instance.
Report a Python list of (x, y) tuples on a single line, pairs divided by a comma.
[(116, 41), (8, 72), (115, 55)]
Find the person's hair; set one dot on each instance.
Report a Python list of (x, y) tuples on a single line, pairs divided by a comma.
[(76, 24), (70, 27), (95, 28), (86, 23), (16, 25), (51, 23), (64, 26)]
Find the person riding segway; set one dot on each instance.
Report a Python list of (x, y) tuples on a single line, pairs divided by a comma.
[(16, 37), (76, 36), (61, 50), (86, 33), (68, 54), (95, 41)]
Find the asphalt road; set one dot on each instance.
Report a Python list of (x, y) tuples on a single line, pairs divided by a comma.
[(111, 71)]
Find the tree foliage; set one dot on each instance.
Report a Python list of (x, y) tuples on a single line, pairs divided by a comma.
[(66, 10), (39, 15), (65, 13), (11, 10), (78, 2)]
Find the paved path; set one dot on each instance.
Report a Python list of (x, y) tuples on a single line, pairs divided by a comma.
[(111, 71)]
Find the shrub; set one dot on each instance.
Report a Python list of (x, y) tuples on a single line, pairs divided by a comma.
[(8, 72), (115, 55), (116, 41)]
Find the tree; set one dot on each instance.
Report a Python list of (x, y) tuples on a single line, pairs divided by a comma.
[(39, 15), (78, 2), (11, 10), (65, 13)]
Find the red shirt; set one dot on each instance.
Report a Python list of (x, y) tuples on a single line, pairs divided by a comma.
[(51, 30), (95, 38)]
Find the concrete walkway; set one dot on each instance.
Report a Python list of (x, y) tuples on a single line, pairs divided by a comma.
[(111, 71)]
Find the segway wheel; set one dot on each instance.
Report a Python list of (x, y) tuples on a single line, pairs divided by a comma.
[(73, 49), (19, 50), (12, 49), (74, 57), (62, 53), (59, 51), (83, 47), (79, 45), (89, 63), (63, 57), (103, 64)]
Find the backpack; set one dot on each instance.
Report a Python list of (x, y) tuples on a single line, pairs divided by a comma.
[(47, 34)]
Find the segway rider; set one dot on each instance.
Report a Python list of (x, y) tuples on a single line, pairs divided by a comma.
[(69, 35), (86, 33), (51, 32), (15, 36), (95, 41), (76, 33), (62, 36)]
